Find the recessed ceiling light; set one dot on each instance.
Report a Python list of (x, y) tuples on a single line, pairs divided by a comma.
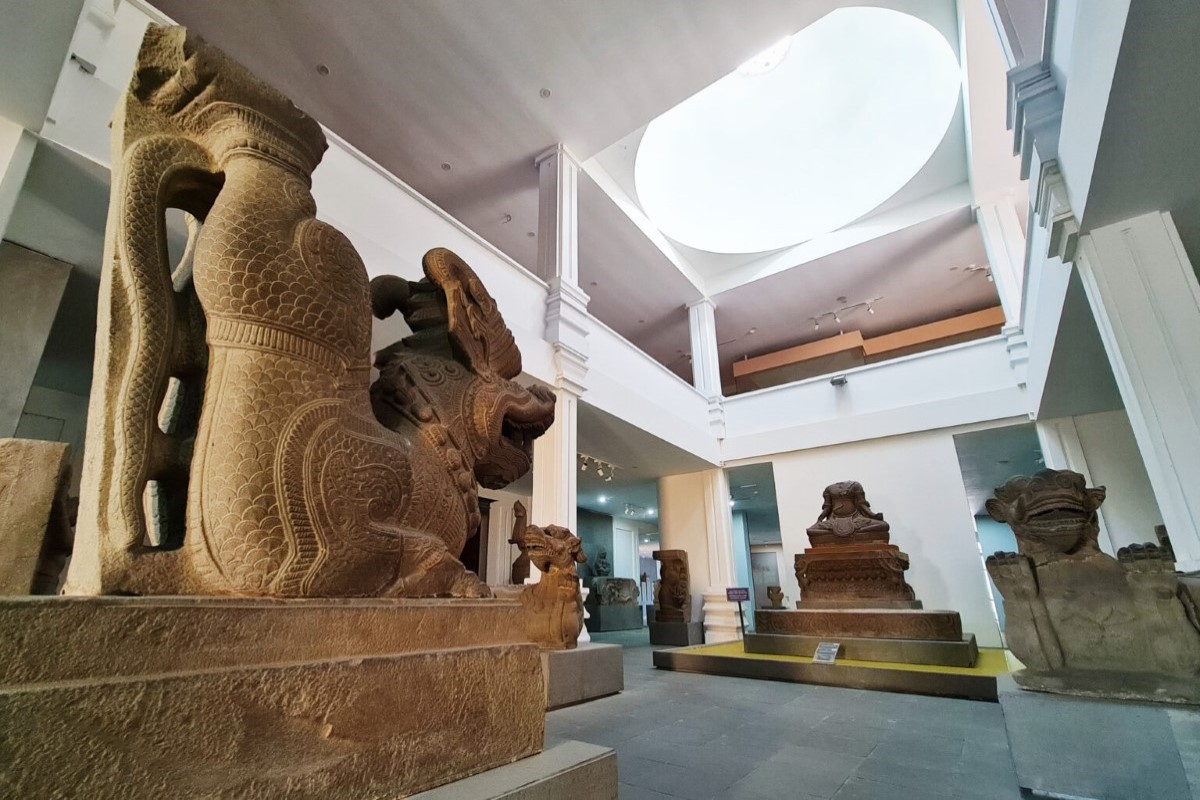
[(544, 93), (507, 218), (322, 69), (603, 498), (445, 166)]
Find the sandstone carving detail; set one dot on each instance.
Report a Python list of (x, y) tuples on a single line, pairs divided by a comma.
[(231, 392), (554, 605), (674, 600), (35, 530), (1082, 621)]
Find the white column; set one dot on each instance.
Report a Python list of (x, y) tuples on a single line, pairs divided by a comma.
[(1004, 242), (16, 151), (702, 324), (1143, 291), (554, 476), (558, 215), (1062, 449), (694, 515), (567, 326)]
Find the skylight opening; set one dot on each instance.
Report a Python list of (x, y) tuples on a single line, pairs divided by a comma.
[(803, 139)]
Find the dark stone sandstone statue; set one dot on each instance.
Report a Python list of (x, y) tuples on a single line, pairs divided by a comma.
[(231, 392), (553, 605), (602, 568), (1082, 621), (851, 562), (674, 600)]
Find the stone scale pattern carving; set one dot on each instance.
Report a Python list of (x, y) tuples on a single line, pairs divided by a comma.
[(1082, 621), (232, 393)]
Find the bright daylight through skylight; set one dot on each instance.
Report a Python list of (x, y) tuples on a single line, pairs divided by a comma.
[(804, 138)]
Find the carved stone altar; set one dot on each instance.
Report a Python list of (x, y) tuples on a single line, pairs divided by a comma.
[(852, 590), (236, 453), (672, 623), (1080, 620)]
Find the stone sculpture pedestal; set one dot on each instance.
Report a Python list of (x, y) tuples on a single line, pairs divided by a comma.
[(1100, 749), (677, 634), (586, 672), (854, 575), (133, 697), (613, 605)]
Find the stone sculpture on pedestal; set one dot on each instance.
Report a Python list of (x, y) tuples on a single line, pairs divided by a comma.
[(674, 601), (1082, 621), (553, 605), (852, 590), (231, 397), (602, 569), (673, 623), (775, 595), (295, 489), (850, 561), (613, 605)]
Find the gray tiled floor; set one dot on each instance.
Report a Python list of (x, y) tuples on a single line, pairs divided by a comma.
[(698, 736)]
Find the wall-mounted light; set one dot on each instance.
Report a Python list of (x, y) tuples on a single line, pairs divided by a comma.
[(837, 380)]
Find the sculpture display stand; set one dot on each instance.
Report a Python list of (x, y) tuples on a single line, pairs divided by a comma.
[(574, 671), (613, 605), (852, 591), (285, 522), (672, 624)]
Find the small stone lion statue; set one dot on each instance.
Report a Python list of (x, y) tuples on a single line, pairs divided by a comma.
[(553, 605)]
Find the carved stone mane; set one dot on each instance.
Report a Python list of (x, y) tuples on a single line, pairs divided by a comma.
[(231, 395)]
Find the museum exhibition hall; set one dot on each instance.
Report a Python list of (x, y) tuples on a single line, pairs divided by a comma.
[(534, 399)]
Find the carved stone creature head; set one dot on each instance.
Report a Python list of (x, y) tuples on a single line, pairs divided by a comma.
[(1052, 512), (456, 372), (552, 548)]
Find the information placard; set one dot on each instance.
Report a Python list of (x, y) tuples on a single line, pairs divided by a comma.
[(826, 653), (737, 594)]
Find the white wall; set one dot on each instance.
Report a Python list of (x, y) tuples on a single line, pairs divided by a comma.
[(914, 480), (62, 414), (1130, 510), (956, 385)]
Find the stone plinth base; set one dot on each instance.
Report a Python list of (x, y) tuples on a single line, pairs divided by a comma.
[(614, 618), (1101, 749), (824, 604), (676, 634), (943, 626), (568, 769), (589, 671), (134, 697), (962, 653)]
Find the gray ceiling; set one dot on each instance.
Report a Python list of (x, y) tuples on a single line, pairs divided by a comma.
[(426, 82), (917, 271)]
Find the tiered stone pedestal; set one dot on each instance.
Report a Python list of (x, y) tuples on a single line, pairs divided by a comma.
[(1101, 749), (147, 697), (676, 634), (909, 636), (589, 671), (857, 575)]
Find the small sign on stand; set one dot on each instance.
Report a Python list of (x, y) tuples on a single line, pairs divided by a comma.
[(826, 653), (739, 594)]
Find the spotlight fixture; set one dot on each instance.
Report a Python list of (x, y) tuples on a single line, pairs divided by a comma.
[(816, 324), (870, 308), (837, 380), (445, 166), (322, 69), (837, 319), (507, 218), (989, 277)]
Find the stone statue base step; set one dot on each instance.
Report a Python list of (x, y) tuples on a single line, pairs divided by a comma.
[(589, 671), (126, 697), (943, 626), (1088, 748), (567, 769), (676, 634), (614, 618), (962, 653), (855, 603)]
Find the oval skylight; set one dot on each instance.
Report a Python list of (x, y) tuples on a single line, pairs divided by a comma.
[(765, 159)]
